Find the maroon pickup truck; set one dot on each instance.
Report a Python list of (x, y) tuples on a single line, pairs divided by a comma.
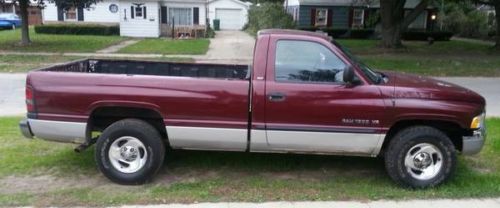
[(304, 93)]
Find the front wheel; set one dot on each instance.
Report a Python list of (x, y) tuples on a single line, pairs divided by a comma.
[(130, 151), (420, 157)]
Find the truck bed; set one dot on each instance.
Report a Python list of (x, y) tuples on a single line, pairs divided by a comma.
[(157, 68), (184, 93)]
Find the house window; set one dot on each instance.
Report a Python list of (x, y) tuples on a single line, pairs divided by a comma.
[(180, 16), (321, 17), (138, 11), (358, 16), (420, 22), (70, 14)]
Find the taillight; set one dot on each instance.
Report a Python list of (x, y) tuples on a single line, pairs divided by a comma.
[(30, 100)]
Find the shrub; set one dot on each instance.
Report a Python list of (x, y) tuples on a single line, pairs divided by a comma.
[(268, 15), (74, 29), (342, 33), (425, 35), (210, 33), (361, 33), (466, 21), (335, 33)]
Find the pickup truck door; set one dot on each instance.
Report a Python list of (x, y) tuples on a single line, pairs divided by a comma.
[(308, 108)]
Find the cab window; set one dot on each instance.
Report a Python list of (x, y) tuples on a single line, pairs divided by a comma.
[(307, 62)]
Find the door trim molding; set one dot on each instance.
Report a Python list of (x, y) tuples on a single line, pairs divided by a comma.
[(360, 130)]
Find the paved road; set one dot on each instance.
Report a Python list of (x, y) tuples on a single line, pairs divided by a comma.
[(487, 87), (441, 203), (12, 92)]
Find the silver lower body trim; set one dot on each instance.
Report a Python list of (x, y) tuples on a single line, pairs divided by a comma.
[(58, 131), (201, 138), (316, 142)]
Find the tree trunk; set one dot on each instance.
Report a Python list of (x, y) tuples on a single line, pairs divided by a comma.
[(413, 15), (391, 36), (391, 13), (497, 16), (25, 35)]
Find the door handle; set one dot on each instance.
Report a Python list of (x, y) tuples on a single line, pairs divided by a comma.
[(276, 96)]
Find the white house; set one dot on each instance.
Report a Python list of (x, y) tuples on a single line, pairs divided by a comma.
[(154, 18)]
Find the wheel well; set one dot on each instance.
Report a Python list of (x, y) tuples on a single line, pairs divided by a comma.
[(102, 117), (451, 129)]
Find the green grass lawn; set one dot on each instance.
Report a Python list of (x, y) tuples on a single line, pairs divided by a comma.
[(443, 58), (24, 63), (59, 177), (168, 46), (486, 66), (9, 41)]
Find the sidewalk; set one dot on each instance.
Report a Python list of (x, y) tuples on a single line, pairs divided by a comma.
[(110, 55), (230, 47), (439, 203), (470, 40)]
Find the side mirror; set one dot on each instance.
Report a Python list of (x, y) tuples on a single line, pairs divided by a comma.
[(348, 75)]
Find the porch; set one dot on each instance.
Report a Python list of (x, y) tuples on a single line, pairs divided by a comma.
[(183, 32)]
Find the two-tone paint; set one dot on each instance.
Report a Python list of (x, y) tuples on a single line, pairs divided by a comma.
[(238, 115)]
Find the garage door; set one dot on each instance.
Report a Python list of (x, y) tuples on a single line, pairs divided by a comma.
[(230, 19)]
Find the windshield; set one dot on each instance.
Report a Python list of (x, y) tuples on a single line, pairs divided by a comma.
[(372, 75)]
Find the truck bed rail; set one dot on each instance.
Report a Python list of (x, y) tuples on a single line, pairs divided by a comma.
[(220, 71)]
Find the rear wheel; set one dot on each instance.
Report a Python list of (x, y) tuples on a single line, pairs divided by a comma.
[(420, 157), (130, 151)]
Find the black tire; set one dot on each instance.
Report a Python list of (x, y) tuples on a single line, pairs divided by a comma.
[(410, 139), (145, 133)]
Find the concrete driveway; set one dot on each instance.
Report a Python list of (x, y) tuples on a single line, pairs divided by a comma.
[(12, 92), (230, 47)]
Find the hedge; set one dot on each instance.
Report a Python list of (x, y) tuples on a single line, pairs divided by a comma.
[(368, 33), (424, 35), (74, 29), (343, 33)]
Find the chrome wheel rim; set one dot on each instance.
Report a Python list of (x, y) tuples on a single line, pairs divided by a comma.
[(424, 161), (127, 154)]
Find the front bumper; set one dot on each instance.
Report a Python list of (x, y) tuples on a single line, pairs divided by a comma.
[(24, 125), (473, 144)]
